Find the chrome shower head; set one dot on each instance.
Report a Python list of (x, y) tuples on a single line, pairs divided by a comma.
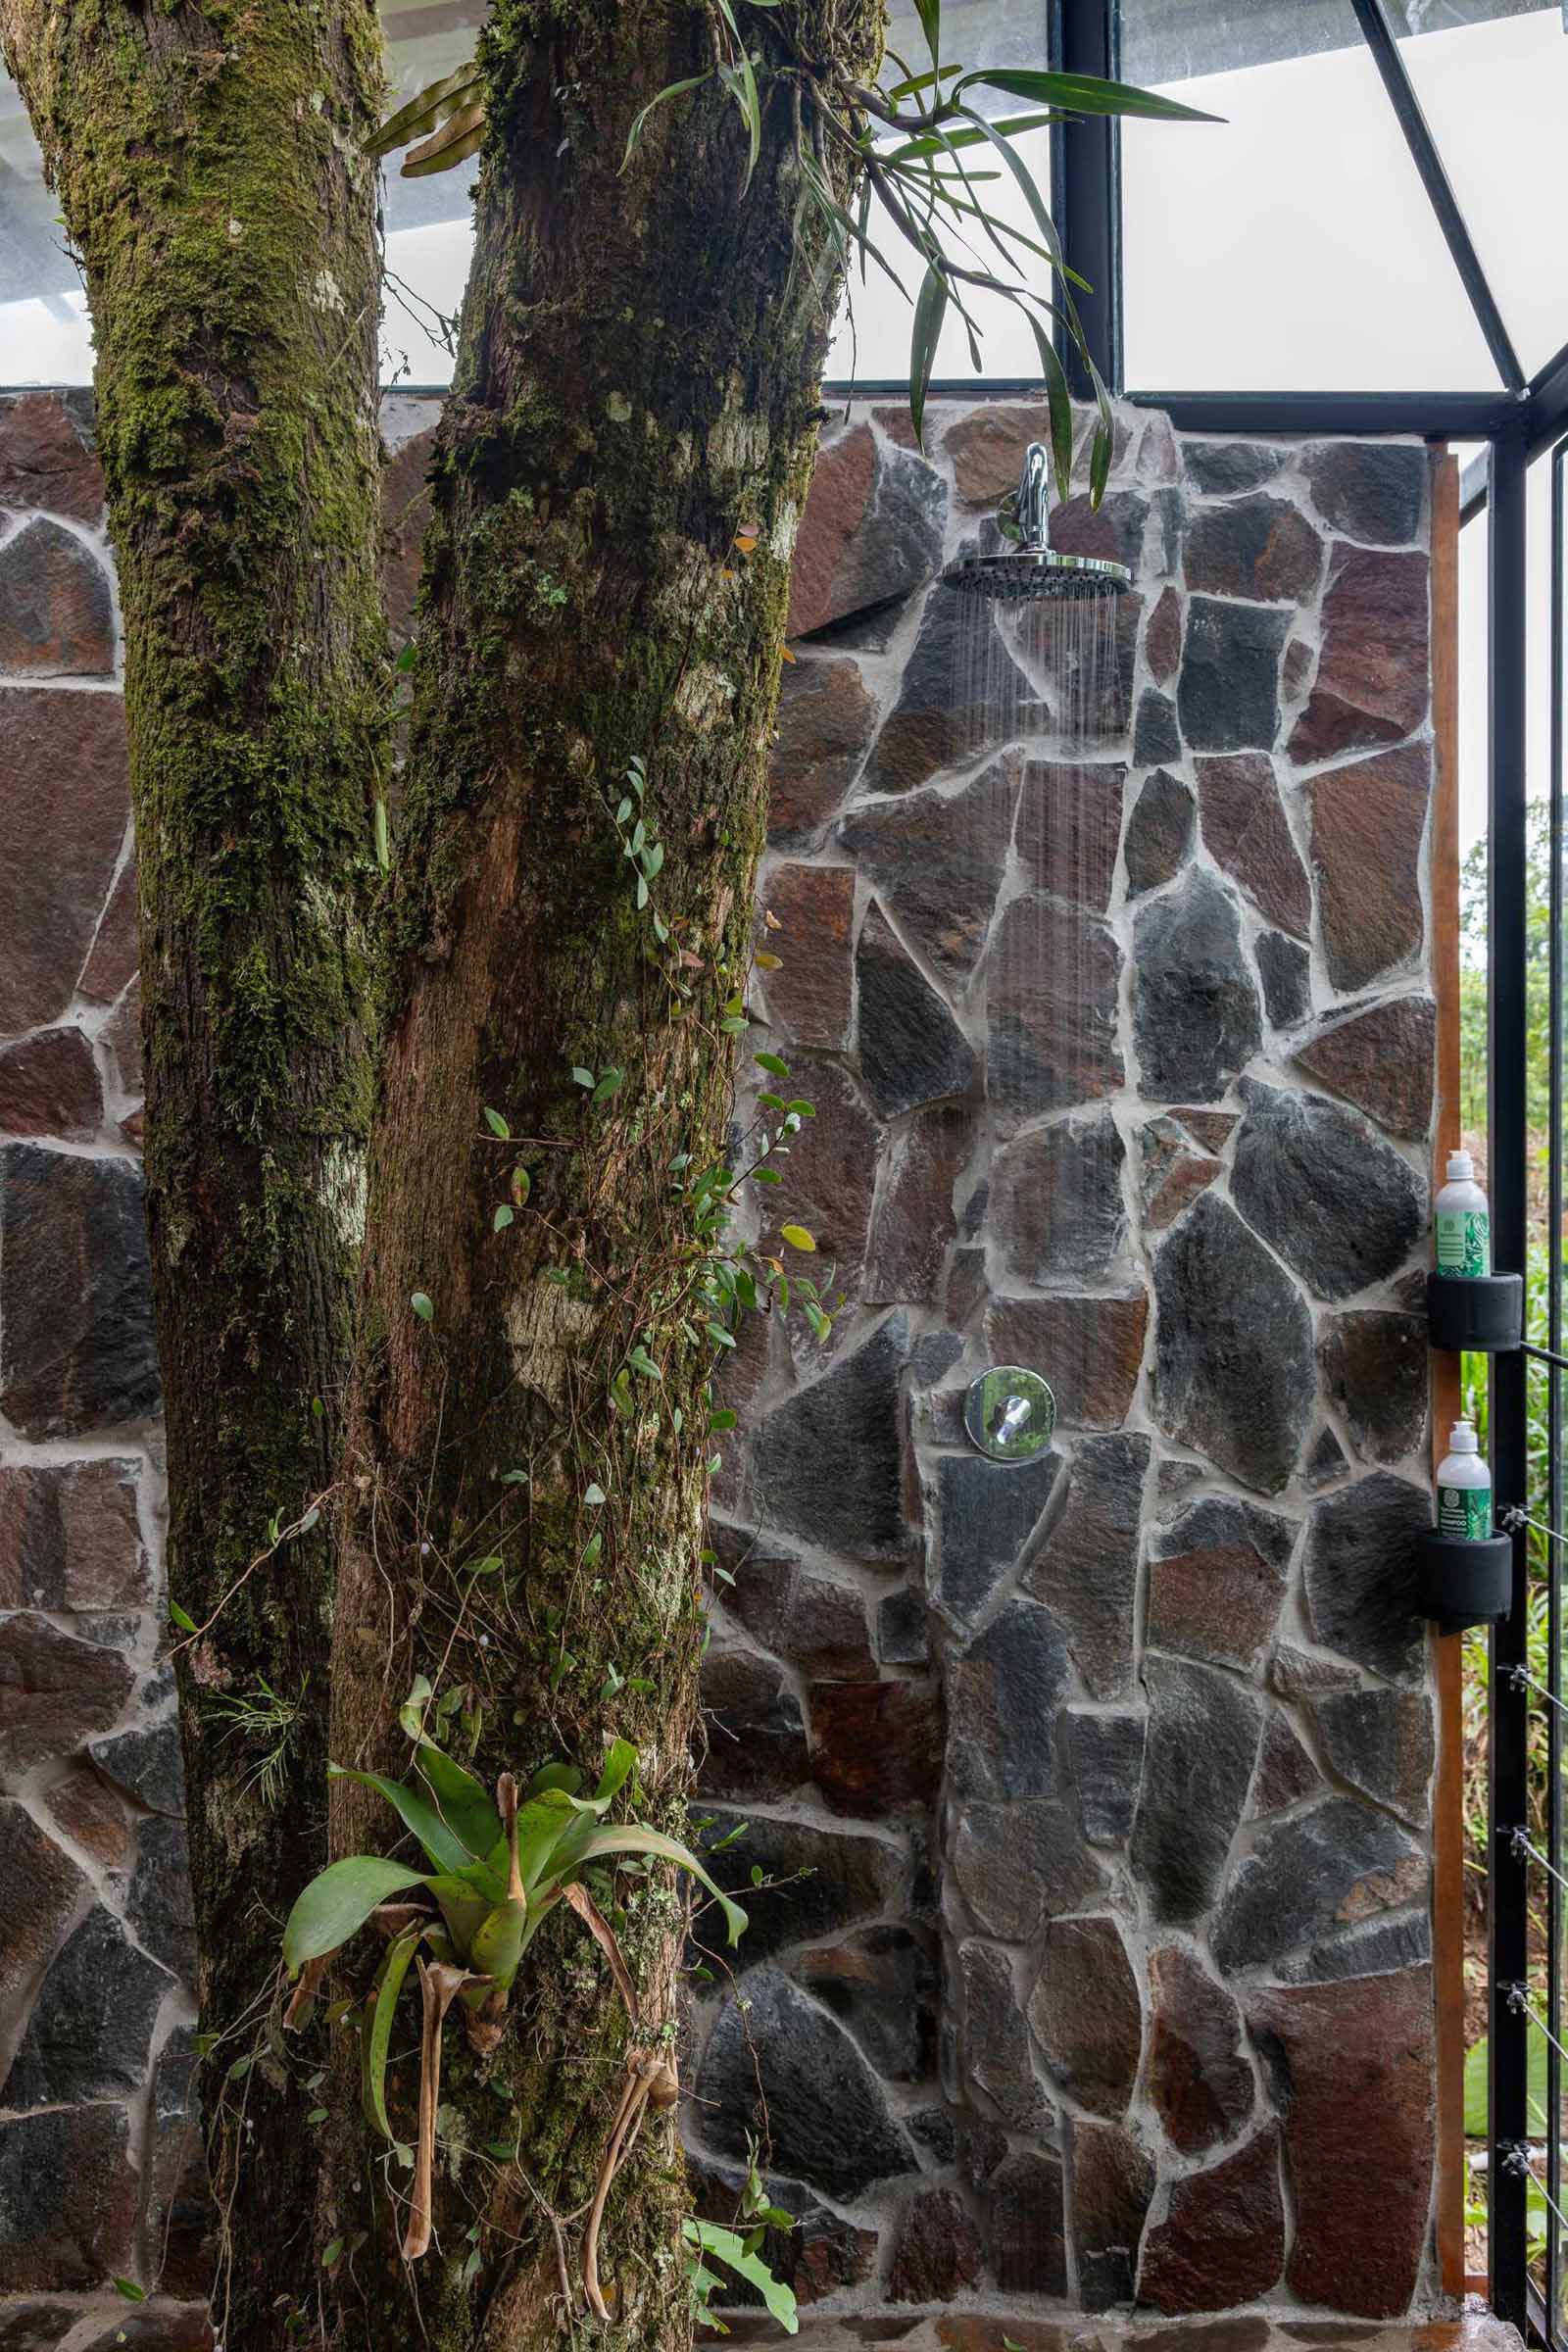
[(1032, 573)]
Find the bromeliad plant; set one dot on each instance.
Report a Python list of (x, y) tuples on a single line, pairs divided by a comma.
[(498, 1867)]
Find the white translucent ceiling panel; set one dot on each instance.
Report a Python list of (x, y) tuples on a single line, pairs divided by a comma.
[(1291, 247), (1495, 98)]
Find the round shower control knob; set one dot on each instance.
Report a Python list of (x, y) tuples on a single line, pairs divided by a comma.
[(1010, 1413)]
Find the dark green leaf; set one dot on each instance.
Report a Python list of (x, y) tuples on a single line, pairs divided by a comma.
[(375, 2033), (440, 1841), (337, 1903), (673, 89), (424, 112), (1083, 94), (930, 310)]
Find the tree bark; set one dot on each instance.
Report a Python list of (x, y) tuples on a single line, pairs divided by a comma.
[(211, 164), (616, 485)]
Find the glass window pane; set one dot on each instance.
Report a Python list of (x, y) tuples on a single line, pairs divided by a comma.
[(1495, 95), (1292, 247)]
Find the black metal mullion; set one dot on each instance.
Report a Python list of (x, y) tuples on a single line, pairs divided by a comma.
[(1085, 37), (1438, 416), (1507, 1047), (1440, 193)]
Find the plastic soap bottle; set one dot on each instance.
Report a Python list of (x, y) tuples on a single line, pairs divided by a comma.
[(1463, 1221), (1464, 1488)]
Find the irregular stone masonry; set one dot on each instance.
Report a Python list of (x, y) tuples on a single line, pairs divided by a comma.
[(1091, 1796)]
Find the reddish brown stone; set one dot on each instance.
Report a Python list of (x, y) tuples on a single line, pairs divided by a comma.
[(841, 490), (1162, 639), (405, 517), (1112, 2183), (157, 2325), (69, 2195), (915, 1220), (1286, 1773), (111, 958), (986, 448), (936, 859), (1210, 1128), (1056, 1205), (93, 1816), (1297, 668), (1261, 547), (1094, 1349), (899, 425), (1372, 672), (1198, 2078), (936, 2252), (882, 1984), (813, 907), (972, 2331), (875, 1746), (826, 720), (871, 531), (1222, 2240), (1171, 1173), (45, 461), (1382, 1060), (1244, 827), (829, 1173), (68, 1538), (44, 1891), (56, 614), (1218, 1579), (1069, 828), (54, 1692), (1354, 2066), (1085, 2013), (1368, 820), (62, 782), (49, 1085), (756, 1737)]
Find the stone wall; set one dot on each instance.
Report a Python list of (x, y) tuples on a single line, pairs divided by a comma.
[(1090, 1797), (1110, 1980)]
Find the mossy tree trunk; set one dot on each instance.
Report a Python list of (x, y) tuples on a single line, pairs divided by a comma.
[(211, 164), (617, 480)]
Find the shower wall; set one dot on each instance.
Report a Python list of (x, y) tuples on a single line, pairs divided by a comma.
[(1090, 1797), (1111, 1978)]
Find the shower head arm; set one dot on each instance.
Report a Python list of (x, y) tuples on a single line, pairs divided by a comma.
[(1034, 498)]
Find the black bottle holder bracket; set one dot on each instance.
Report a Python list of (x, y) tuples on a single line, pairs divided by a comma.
[(1483, 1311), (1462, 1580)]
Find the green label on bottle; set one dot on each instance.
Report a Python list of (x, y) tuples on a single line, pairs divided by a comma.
[(1464, 1241), (1465, 1512)]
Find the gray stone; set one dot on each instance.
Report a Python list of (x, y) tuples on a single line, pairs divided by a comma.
[(56, 1690), (997, 2057), (1195, 1018), (1383, 1950), (1370, 490), (1298, 1674), (1218, 1579), (829, 1463), (1160, 832), (989, 1511), (1085, 2013), (1284, 968), (819, 1880), (1258, 547), (1016, 1864), (1286, 1773), (821, 2254), (148, 1763), (755, 1733), (827, 2120), (76, 1348), (914, 1222), (1112, 2186), (1002, 1697), (1335, 1200), (882, 1984), (1203, 1732), (1382, 1743), (67, 2199), (818, 1625), (1087, 1568), (1362, 1574), (1199, 2078), (1333, 1867), (1070, 826), (50, 905), (1374, 1367), (159, 1905), (1234, 1376), (1229, 694), (1221, 468), (957, 685), (1326, 1462), (71, 1538), (911, 1049), (1024, 2229), (1105, 1753), (1056, 1200), (1172, 1172), (936, 860), (1156, 735), (1053, 979), (91, 2026), (903, 1631)]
